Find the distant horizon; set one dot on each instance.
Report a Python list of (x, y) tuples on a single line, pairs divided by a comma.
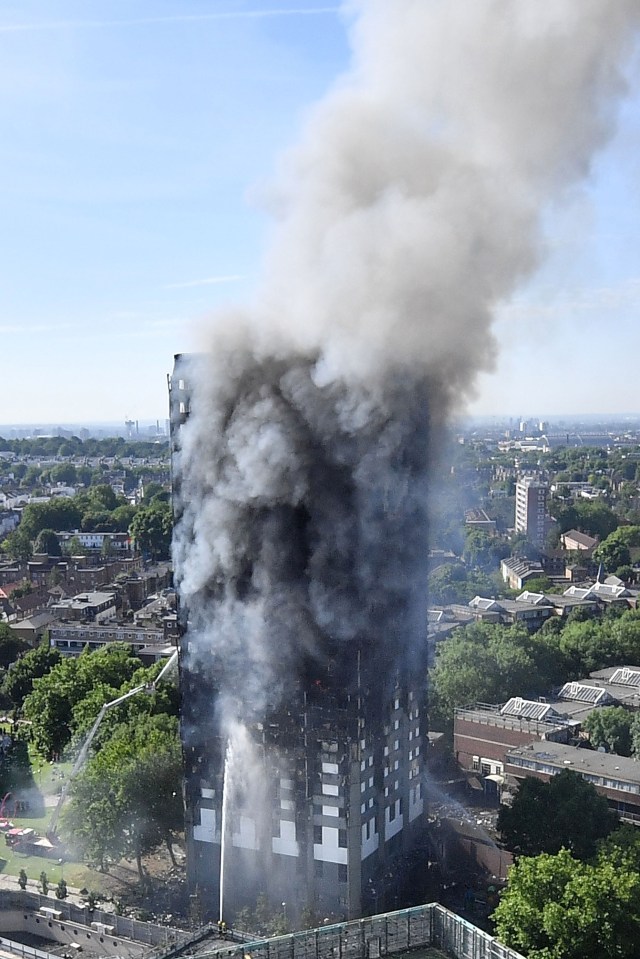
[(144, 423)]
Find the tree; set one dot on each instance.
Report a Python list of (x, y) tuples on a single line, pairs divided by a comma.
[(11, 646), (610, 727), (151, 529), (556, 907), (592, 517), (122, 517), (150, 490), (97, 521), (57, 514), (586, 645), (65, 473), (596, 518), (61, 889), (566, 812), (483, 662), (44, 883), (454, 583), (20, 676), (626, 573), (54, 697), (22, 879), (102, 497), (612, 553), (17, 545), (539, 584), (74, 547), (47, 542), (622, 847), (482, 550), (635, 737), (128, 799)]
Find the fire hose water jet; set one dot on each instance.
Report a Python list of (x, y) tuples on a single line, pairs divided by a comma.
[(224, 827)]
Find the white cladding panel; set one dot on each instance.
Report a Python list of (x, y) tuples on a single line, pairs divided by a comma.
[(206, 831)]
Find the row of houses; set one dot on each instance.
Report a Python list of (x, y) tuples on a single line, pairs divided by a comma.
[(90, 606), (530, 609)]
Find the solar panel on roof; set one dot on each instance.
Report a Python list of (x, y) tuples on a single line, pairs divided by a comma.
[(582, 693), (526, 708), (626, 677)]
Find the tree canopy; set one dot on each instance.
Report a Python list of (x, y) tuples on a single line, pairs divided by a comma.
[(556, 907), (128, 799), (590, 516), (566, 812), (66, 700), (613, 553), (455, 583), (20, 676), (47, 542), (484, 662), (11, 646), (610, 727), (151, 529)]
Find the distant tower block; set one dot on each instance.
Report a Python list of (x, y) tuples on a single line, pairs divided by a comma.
[(531, 509)]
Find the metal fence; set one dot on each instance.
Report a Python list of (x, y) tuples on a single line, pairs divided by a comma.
[(124, 926), (384, 935), (27, 952), (387, 934)]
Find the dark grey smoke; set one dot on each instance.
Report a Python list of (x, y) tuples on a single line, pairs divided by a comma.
[(315, 525), (410, 210)]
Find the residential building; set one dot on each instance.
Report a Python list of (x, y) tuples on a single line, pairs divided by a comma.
[(515, 571), (531, 509), (619, 684), (339, 767), (89, 607), (118, 542), (573, 539), (529, 609), (479, 519), (9, 520), (34, 627), (484, 733), (615, 777), (611, 592), (70, 639)]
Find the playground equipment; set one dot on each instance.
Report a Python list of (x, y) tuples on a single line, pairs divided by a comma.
[(84, 751)]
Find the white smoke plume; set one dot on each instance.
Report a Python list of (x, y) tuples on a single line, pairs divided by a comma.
[(409, 211)]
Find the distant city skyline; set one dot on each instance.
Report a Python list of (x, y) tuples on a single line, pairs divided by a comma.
[(140, 146), (159, 426)]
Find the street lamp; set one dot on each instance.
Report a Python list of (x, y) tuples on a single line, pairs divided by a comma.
[(284, 912)]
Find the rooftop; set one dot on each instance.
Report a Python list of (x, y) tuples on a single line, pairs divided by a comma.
[(585, 693), (587, 542), (528, 709), (585, 761)]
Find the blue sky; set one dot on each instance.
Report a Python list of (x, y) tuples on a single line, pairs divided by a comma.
[(136, 137)]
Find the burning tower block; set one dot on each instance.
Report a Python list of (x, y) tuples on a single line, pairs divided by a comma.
[(300, 559)]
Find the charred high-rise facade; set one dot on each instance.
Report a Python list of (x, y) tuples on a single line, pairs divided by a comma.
[(408, 215), (323, 736)]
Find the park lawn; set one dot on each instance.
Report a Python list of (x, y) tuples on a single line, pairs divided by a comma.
[(47, 781), (75, 873)]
